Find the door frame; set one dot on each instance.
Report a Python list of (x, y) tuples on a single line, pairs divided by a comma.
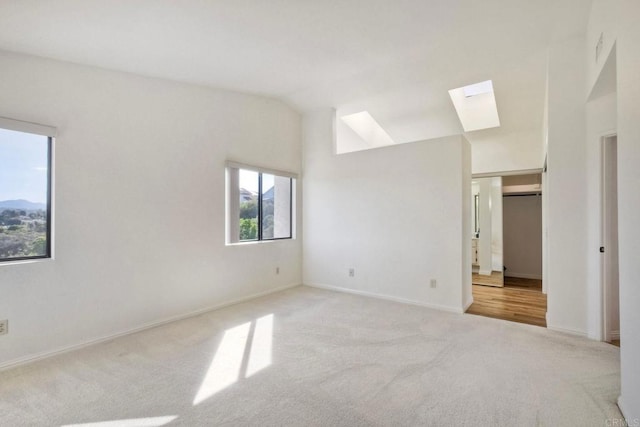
[(605, 139)]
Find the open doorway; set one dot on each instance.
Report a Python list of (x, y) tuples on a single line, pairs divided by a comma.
[(522, 225), (609, 248), (512, 213)]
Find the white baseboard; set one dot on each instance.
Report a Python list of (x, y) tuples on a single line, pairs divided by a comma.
[(386, 297), (61, 350), (522, 275), (484, 272), (467, 305), (575, 332), (621, 408), (615, 335)]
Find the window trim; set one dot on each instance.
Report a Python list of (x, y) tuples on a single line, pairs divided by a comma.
[(9, 124), (232, 210), (27, 127), (260, 169)]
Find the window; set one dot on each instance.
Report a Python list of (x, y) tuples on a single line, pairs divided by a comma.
[(259, 204), (25, 191)]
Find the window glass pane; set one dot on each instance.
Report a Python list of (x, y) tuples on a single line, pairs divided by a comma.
[(267, 206), (24, 188), (281, 202), (248, 205)]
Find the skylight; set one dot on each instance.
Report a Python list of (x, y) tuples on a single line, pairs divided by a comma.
[(368, 129), (478, 88), (476, 106)]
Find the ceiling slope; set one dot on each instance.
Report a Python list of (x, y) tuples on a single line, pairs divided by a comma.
[(395, 59)]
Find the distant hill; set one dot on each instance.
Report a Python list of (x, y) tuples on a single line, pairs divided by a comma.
[(268, 195), (21, 204), (246, 195)]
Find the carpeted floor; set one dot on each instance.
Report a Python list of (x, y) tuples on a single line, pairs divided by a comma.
[(314, 357)]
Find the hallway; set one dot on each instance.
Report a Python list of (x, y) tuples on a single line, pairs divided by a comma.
[(520, 300)]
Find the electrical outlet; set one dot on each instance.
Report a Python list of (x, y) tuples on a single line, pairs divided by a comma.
[(352, 272), (433, 283), (277, 270), (4, 327)]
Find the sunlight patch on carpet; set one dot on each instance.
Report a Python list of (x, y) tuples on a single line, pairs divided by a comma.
[(133, 422), (225, 367), (244, 350), (261, 345)]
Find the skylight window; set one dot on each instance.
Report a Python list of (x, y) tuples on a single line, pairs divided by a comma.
[(368, 129), (476, 106), (478, 88)]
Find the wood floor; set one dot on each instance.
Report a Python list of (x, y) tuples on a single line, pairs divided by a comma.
[(495, 279), (520, 300), (518, 283)]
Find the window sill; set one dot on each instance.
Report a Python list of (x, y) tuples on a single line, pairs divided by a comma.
[(25, 261), (259, 242)]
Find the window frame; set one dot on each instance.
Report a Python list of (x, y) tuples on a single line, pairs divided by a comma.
[(233, 214), (50, 133), (260, 209)]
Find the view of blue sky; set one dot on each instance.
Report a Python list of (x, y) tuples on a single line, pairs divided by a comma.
[(23, 166)]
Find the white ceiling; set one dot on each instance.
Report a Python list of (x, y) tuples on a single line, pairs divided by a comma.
[(394, 58)]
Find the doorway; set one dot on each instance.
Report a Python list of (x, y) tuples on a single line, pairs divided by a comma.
[(609, 248), (512, 214)]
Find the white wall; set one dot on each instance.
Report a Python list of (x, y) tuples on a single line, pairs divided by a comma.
[(398, 215), (604, 20), (522, 222), (545, 233), (567, 193), (601, 121), (514, 151), (467, 206), (611, 277), (139, 202), (496, 224), (617, 20)]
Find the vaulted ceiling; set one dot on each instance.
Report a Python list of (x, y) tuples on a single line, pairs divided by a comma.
[(395, 59)]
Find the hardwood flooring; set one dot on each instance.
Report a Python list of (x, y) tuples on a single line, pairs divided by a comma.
[(516, 282), (520, 301), (497, 279), (494, 280)]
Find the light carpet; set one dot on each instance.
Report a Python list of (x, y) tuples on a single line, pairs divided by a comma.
[(310, 357)]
